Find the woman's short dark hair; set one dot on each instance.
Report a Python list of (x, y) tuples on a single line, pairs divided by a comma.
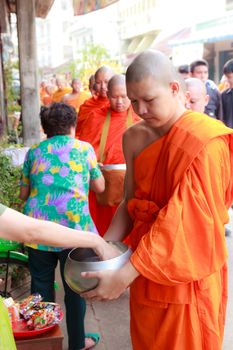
[(58, 119)]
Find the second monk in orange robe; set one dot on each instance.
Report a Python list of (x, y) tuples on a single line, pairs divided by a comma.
[(178, 191), (62, 90), (98, 100), (121, 117), (77, 97)]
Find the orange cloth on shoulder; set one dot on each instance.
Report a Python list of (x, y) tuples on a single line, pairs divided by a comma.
[(183, 189), (76, 102), (93, 104), (47, 100), (58, 95)]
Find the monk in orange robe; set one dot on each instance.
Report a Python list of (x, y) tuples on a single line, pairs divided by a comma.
[(62, 90), (42, 90), (179, 186), (121, 116), (98, 100), (48, 97), (77, 97)]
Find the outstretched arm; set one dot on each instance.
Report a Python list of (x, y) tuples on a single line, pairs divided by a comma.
[(19, 227)]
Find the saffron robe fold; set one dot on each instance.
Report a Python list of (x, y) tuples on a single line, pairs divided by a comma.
[(93, 104), (183, 191), (113, 154), (59, 94), (77, 101), (46, 100)]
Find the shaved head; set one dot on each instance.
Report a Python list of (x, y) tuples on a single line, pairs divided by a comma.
[(105, 70), (153, 87), (76, 80), (117, 94), (151, 64), (196, 95), (195, 83), (102, 77), (118, 79)]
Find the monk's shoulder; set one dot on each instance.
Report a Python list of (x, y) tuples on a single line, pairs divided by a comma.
[(140, 129), (67, 97), (139, 136), (135, 136)]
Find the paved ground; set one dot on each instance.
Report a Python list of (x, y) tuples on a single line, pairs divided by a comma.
[(111, 319)]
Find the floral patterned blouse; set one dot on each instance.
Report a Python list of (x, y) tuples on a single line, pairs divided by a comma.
[(58, 171)]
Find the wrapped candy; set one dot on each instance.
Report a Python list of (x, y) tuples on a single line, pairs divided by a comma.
[(39, 314), (27, 305), (45, 315)]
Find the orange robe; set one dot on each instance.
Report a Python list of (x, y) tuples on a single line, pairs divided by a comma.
[(46, 100), (58, 95), (93, 104), (76, 102), (91, 132), (43, 93), (183, 189)]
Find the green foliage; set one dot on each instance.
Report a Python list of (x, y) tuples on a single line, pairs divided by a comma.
[(91, 58), (12, 94), (9, 183)]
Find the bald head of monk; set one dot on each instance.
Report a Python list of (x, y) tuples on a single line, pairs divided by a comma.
[(102, 77), (154, 90), (61, 84), (76, 85), (117, 94), (196, 95), (91, 84)]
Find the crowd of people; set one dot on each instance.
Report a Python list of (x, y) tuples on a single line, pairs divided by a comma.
[(133, 159), (220, 99)]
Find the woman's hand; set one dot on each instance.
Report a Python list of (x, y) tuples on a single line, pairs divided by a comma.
[(106, 250)]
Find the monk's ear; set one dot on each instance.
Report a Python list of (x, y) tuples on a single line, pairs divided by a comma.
[(175, 87)]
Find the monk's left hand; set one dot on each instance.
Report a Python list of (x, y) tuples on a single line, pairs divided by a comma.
[(112, 283)]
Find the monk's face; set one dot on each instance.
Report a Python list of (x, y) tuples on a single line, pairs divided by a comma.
[(153, 101), (101, 83), (49, 89), (60, 84), (118, 98), (76, 86), (196, 100)]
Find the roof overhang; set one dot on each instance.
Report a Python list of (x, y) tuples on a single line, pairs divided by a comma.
[(219, 29), (42, 6), (81, 7)]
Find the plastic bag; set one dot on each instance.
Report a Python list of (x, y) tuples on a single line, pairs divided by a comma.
[(7, 341)]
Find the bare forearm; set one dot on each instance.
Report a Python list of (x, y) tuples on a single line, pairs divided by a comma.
[(16, 226), (121, 224), (53, 234)]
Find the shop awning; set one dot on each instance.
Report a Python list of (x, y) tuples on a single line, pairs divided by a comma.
[(81, 7), (163, 40), (219, 29)]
